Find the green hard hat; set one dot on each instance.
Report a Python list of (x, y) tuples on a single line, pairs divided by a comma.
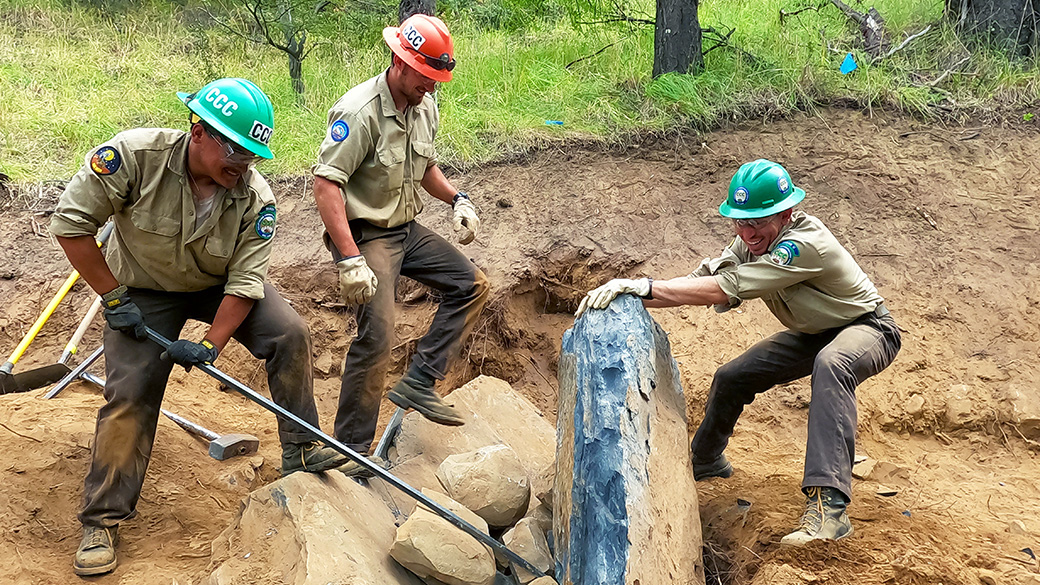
[(238, 109), (759, 189)]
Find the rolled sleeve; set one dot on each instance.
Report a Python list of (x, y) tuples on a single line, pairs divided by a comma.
[(756, 279), (248, 267)]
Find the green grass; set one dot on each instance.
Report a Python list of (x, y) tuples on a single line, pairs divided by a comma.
[(71, 75)]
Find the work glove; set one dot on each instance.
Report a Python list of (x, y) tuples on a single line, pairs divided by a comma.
[(122, 314), (465, 219), (599, 298), (357, 282), (188, 353)]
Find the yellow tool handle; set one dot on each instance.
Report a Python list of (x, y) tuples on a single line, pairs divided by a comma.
[(69, 282), (18, 351)]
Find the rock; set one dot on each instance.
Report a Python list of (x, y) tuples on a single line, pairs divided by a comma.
[(544, 581), (958, 407), (527, 540), (1025, 410), (325, 363), (915, 406), (309, 529), (863, 469), (624, 485), (495, 415), (491, 481), (1016, 526), (541, 515), (432, 547), (987, 577)]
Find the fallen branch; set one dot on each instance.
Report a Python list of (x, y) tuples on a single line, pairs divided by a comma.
[(784, 14), (904, 43), (949, 71), (927, 217)]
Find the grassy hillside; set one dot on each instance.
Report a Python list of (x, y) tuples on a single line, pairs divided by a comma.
[(73, 73)]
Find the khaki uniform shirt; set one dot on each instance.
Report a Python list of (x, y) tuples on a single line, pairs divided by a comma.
[(377, 154), (139, 178), (808, 280)]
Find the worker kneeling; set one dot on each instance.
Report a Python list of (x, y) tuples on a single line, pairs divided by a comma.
[(838, 331)]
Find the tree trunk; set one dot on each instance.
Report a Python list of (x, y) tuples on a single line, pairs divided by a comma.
[(677, 38), (295, 41), (1006, 24), (410, 7)]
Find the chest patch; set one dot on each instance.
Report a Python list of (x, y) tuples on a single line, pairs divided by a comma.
[(265, 222), (105, 161), (784, 253), (339, 131)]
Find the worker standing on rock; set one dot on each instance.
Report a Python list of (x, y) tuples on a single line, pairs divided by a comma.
[(377, 153), (194, 222), (839, 332)]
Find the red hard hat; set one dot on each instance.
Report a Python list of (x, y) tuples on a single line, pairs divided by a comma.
[(424, 44)]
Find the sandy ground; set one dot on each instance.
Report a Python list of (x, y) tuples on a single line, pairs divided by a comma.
[(944, 220)]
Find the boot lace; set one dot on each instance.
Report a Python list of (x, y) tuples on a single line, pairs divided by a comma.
[(98, 538), (812, 518)]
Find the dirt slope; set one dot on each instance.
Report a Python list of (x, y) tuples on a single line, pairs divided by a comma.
[(966, 292)]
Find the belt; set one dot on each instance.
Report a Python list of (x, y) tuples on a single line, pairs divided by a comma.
[(880, 311)]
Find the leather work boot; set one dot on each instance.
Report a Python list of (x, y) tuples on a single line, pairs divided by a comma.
[(312, 457), (824, 518), (353, 469), (720, 467), (415, 390), (97, 551)]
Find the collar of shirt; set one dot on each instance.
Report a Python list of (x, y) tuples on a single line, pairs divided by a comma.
[(386, 99)]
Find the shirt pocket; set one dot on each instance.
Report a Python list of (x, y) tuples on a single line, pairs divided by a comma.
[(423, 152), (391, 159), (216, 254), (158, 226)]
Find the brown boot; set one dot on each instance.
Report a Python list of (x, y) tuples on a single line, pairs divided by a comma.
[(415, 390), (97, 551), (824, 518), (313, 457)]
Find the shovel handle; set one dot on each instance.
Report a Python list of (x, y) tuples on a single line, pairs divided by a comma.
[(73, 345)]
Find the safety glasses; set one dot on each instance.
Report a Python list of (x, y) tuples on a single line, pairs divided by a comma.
[(234, 154), (752, 223), (442, 63)]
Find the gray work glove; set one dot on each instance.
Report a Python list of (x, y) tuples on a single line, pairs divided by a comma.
[(465, 218), (357, 282), (122, 314), (599, 298)]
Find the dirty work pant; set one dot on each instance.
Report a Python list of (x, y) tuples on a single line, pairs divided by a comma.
[(136, 382), (416, 252), (839, 359)]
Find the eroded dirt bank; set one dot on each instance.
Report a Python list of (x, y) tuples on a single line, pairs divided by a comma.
[(966, 292)]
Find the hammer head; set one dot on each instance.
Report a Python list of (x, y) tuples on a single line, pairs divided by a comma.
[(232, 445)]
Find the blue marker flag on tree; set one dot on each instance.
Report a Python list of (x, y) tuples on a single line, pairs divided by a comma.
[(848, 65)]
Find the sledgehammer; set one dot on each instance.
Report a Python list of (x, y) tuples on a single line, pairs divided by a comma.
[(221, 447)]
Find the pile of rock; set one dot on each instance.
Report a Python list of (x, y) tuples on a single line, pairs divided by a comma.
[(495, 472)]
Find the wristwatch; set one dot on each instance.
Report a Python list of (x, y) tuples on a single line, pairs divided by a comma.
[(459, 195)]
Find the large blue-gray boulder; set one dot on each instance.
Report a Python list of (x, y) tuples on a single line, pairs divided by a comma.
[(625, 502)]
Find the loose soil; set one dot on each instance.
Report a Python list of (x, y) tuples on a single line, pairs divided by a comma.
[(944, 220)]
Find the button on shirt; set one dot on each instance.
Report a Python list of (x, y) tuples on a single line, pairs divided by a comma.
[(377, 154), (808, 280), (145, 189)]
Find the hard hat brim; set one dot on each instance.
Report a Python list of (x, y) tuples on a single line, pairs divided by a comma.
[(796, 197), (411, 58)]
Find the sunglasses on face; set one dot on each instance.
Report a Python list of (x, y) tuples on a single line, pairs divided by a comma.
[(752, 223), (442, 63)]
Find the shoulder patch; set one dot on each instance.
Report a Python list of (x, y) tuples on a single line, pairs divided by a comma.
[(265, 222), (339, 131), (105, 161), (784, 253)]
